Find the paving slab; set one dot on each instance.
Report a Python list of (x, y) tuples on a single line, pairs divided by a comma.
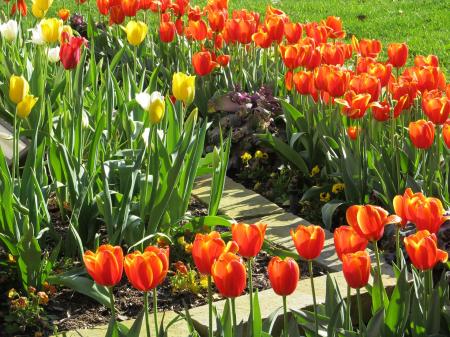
[(237, 202), (6, 142)]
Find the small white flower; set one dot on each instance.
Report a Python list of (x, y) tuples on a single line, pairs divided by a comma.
[(9, 30), (36, 35), (53, 54)]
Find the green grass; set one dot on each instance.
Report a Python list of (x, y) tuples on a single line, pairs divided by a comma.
[(423, 24)]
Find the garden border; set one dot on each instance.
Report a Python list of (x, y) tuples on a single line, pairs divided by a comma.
[(6, 143)]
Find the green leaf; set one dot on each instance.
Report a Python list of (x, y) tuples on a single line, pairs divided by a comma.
[(376, 323), (328, 211), (397, 313), (257, 320), (135, 329)]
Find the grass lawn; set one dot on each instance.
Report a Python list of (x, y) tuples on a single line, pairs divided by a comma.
[(423, 24)]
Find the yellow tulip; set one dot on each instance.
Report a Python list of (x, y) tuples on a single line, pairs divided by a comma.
[(154, 104), (65, 29), (50, 29), (37, 11), (24, 107), (18, 88), (183, 87), (43, 4), (136, 32)]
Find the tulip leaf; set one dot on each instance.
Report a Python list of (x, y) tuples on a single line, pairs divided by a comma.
[(256, 320), (328, 211), (398, 309), (270, 321), (375, 325), (135, 329)]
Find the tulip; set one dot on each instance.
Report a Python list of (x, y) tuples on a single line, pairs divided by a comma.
[(428, 77), (283, 276), (332, 54), (183, 87), (275, 28), (421, 133), (167, 31), (249, 238), (229, 275), (381, 111), (422, 250), (53, 54), (18, 88), (309, 241), (293, 32), (37, 11), (354, 106), (65, 33), (130, 8), (105, 266), (116, 15), (24, 107), (304, 83), (103, 6), (367, 47), (353, 132), (70, 52), (430, 60), (381, 71), (446, 133), (21, 5), (404, 86), (64, 14), (50, 29), (368, 221), (216, 20), (336, 82), (347, 240), (398, 54), (223, 60), (436, 106), (9, 30), (136, 32), (153, 104), (196, 30), (425, 213), (366, 84), (356, 268), (203, 63)]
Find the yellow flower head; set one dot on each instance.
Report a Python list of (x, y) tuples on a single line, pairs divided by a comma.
[(50, 29), (188, 248), (246, 157), (261, 155), (337, 188), (24, 107), (43, 4), (37, 11), (65, 29), (12, 293), (18, 88), (325, 196), (154, 104), (136, 32), (314, 171), (183, 87), (204, 281)]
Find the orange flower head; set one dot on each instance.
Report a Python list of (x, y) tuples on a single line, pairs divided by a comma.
[(195, 13), (404, 85), (401, 204), (428, 77), (130, 7), (203, 63), (366, 84), (20, 5), (229, 275), (319, 33), (216, 20), (421, 133), (103, 6), (223, 60), (446, 133), (362, 64), (354, 105), (353, 132), (368, 221), (262, 39), (347, 240), (335, 24), (283, 275), (167, 31), (290, 56), (206, 249), (289, 80), (196, 30), (275, 28), (430, 60), (116, 15), (381, 111), (332, 54), (249, 238), (367, 47), (381, 71), (425, 213), (398, 54), (105, 265), (436, 106), (147, 270), (304, 82), (64, 14), (337, 82), (293, 32), (308, 241), (356, 269), (422, 250)]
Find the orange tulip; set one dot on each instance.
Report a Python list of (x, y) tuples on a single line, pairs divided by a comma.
[(130, 7), (203, 63), (337, 82), (335, 25), (304, 82), (275, 28), (381, 71), (367, 47), (116, 15), (167, 31), (320, 77), (332, 54), (430, 60), (436, 106), (362, 64), (347, 240), (366, 84), (64, 14), (398, 54), (428, 77), (354, 105), (103, 6), (229, 275), (262, 39), (381, 111), (421, 133), (422, 250), (319, 33), (308, 241), (195, 13), (105, 265), (206, 249), (368, 221), (283, 275), (446, 133), (21, 5), (147, 270), (290, 56), (353, 132), (223, 60), (404, 86), (425, 213), (356, 269), (293, 32), (249, 238), (196, 30), (216, 20), (401, 204)]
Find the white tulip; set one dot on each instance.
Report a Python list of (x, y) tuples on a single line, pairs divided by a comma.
[(144, 100), (9, 30), (53, 54), (36, 35)]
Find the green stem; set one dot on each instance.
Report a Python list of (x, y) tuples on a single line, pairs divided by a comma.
[(111, 301), (210, 311), (285, 321), (233, 314), (15, 154), (360, 324), (147, 320), (397, 247), (155, 309), (316, 320), (348, 321), (377, 256), (250, 288)]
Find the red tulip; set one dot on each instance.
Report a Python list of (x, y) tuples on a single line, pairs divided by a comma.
[(283, 275), (130, 7), (70, 52), (223, 60), (262, 39), (421, 133), (229, 275), (368, 221), (203, 63), (367, 47), (366, 84), (249, 238), (206, 249), (422, 250), (308, 241), (381, 71), (275, 28), (103, 6), (335, 25), (293, 32), (425, 213), (446, 133), (116, 15), (430, 60), (398, 54), (436, 106), (353, 132), (167, 31), (381, 111), (354, 106), (216, 20), (21, 5), (105, 265), (347, 240), (356, 269), (332, 54)]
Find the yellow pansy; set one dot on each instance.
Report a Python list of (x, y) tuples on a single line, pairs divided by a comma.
[(18, 88), (50, 29), (337, 188), (325, 196), (136, 32), (314, 171), (24, 107), (183, 87)]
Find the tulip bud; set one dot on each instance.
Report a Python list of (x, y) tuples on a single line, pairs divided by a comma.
[(18, 88), (136, 32), (37, 11), (24, 107), (50, 29), (183, 87), (9, 30), (216, 158), (154, 104), (356, 269)]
